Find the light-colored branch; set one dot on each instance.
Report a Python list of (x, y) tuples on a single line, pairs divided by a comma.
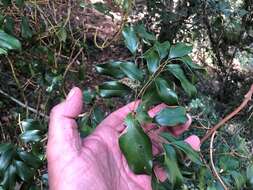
[(23, 105), (247, 98), (212, 163)]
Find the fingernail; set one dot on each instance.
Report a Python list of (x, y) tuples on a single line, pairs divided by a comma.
[(71, 93)]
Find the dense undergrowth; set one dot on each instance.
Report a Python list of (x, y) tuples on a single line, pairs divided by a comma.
[(185, 57)]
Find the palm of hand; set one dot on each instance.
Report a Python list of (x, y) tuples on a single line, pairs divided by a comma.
[(95, 162)]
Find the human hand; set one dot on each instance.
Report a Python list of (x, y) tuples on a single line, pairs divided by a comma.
[(96, 162)]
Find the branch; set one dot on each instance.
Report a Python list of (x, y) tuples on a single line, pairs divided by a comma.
[(23, 105), (247, 98)]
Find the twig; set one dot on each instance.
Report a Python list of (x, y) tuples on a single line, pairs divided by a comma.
[(23, 105), (212, 163), (247, 98)]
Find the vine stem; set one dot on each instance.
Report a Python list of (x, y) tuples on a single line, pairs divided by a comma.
[(247, 98), (212, 162)]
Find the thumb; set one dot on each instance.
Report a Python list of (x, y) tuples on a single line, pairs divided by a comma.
[(63, 134)]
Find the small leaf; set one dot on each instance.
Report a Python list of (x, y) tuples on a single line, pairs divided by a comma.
[(162, 49), (136, 147), (31, 136), (131, 70), (170, 162), (62, 34), (239, 179), (88, 96), (166, 94), (111, 69), (8, 42), (180, 50), (131, 39), (177, 71), (26, 31), (113, 89), (30, 159), (152, 59), (172, 116), (23, 171)]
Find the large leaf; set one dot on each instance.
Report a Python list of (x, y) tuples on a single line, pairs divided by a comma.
[(136, 147), (131, 70), (113, 89), (183, 146), (9, 179), (162, 49), (30, 124), (170, 162), (152, 59), (166, 94), (30, 159), (31, 136), (131, 39), (180, 50), (111, 69), (5, 159), (171, 116), (177, 71), (8, 42), (23, 171)]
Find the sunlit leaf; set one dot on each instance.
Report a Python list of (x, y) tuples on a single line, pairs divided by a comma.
[(31, 136), (136, 147), (162, 48), (8, 42), (152, 59), (131, 70), (180, 50), (113, 89), (131, 39)]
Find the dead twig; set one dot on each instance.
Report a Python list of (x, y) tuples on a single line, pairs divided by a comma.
[(247, 98), (212, 163)]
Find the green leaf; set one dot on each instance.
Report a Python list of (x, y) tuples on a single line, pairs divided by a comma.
[(142, 33), (2, 51), (131, 39), (23, 171), (177, 71), (9, 25), (30, 124), (170, 162), (166, 94), (113, 89), (5, 159), (172, 116), (30, 159), (228, 163), (98, 115), (26, 31), (239, 179), (142, 114), (31, 136), (136, 147), (111, 69), (152, 59), (6, 2), (131, 70), (180, 50), (162, 49), (20, 3), (62, 34), (5, 147), (102, 8), (249, 174), (9, 180), (8, 42), (188, 61), (88, 96)]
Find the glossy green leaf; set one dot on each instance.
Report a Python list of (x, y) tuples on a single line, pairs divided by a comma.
[(3, 51), (5, 147), (183, 146), (239, 179), (88, 96), (29, 158), (131, 70), (180, 50), (152, 59), (113, 89), (98, 115), (9, 178), (5, 159), (30, 124), (8, 42), (166, 94), (142, 114), (171, 116), (131, 39), (26, 31), (136, 147), (31, 136), (170, 162), (162, 48), (24, 172), (178, 72), (188, 61), (9, 25), (142, 33), (111, 69), (249, 174)]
